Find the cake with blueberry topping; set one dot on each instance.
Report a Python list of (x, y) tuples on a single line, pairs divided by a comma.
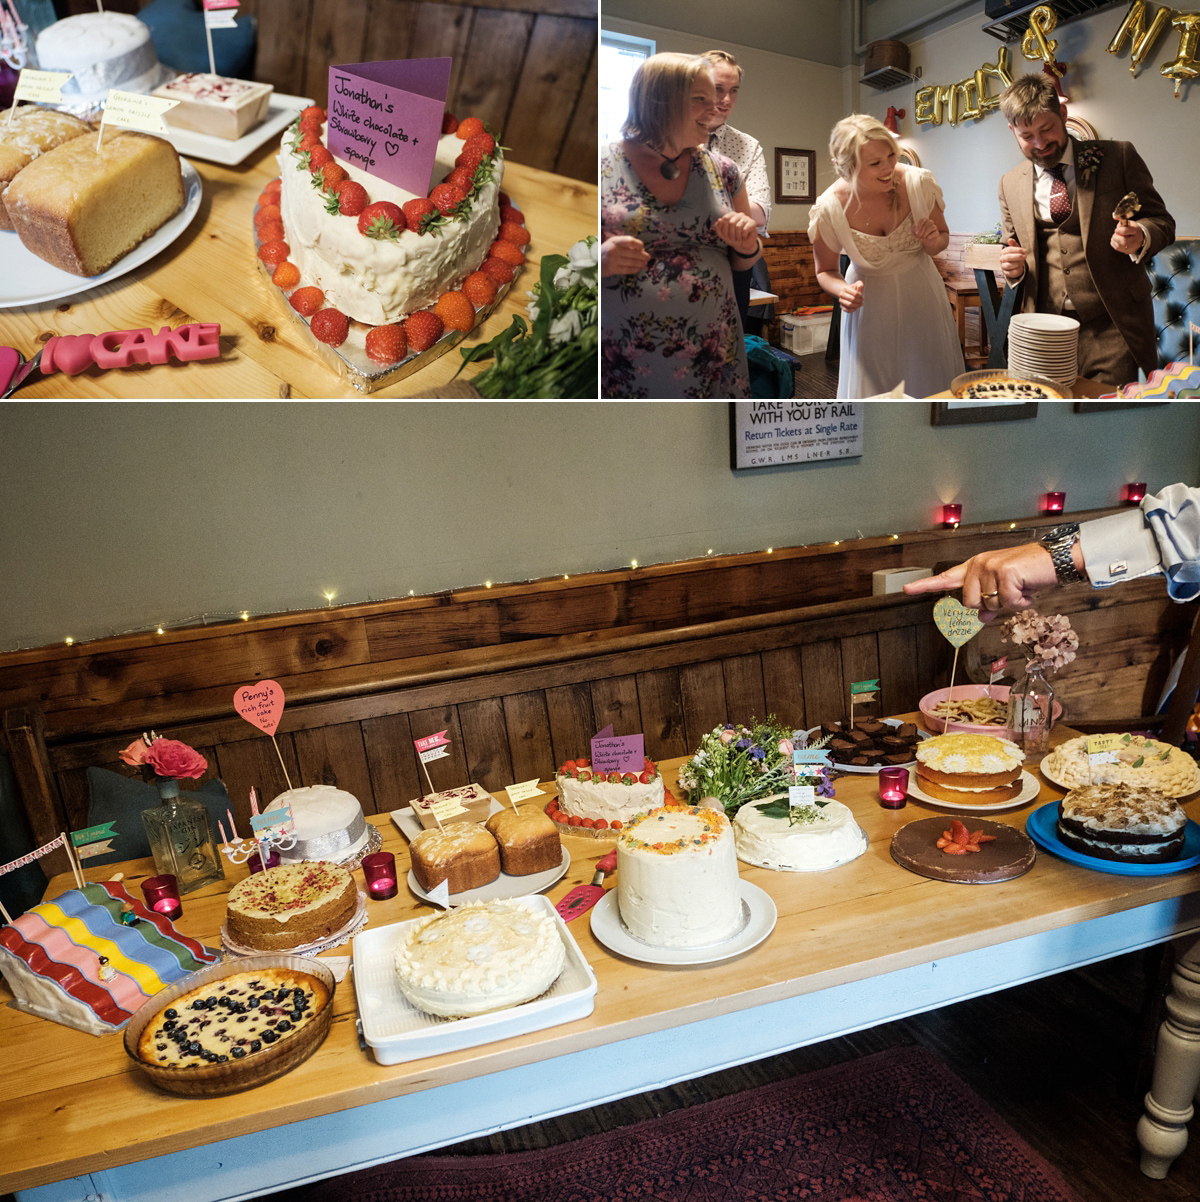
[(290, 906)]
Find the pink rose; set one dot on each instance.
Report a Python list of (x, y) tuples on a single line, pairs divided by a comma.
[(728, 736), (135, 753), (170, 757), (786, 747)]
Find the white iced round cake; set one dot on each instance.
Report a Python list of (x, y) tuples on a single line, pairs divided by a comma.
[(480, 957), (614, 797), (101, 50), (808, 838), (329, 824), (677, 878)]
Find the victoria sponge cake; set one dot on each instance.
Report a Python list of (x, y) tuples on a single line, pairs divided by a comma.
[(1122, 822), (969, 768)]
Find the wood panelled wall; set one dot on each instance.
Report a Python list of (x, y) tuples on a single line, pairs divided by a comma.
[(527, 67), (522, 675)]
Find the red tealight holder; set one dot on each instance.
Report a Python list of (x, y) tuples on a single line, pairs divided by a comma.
[(893, 787), (1054, 502), (1132, 494), (254, 863), (380, 870), (162, 895), (951, 514)]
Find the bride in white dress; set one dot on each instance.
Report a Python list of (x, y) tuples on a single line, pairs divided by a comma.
[(896, 323)]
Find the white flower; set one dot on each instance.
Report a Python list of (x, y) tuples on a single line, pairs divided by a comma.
[(585, 254), (566, 327)]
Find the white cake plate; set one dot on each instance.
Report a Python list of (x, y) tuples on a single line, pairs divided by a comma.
[(758, 914), (504, 886), (281, 112), (1029, 790)]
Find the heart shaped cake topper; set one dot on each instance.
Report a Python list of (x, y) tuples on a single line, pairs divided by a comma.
[(261, 704), (957, 623)]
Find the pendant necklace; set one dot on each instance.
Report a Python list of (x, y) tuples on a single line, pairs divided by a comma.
[(668, 168)]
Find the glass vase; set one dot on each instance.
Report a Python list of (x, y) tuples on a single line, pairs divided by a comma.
[(1031, 712), (181, 839)]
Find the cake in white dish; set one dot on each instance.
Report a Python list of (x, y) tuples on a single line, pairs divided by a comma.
[(379, 280), (329, 824), (677, 878), (480, 957), (808, 838), (614, 797), (214, 104), (101, 50)]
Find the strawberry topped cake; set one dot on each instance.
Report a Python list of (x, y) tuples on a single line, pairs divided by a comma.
[(374, 269), (606, 800)]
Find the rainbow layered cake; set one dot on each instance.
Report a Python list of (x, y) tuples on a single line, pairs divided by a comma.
[(1174, 380), (82, 961)]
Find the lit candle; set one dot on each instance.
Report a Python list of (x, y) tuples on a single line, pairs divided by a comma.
[(951, 514), (379, 868), (1132, 494), (893, 787), (1053, 502), (162, 895), (254, 863), (168, 908)]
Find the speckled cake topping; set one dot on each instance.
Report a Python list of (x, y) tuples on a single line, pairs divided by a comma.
[(1121, 807), (289, 889), (669, 830)]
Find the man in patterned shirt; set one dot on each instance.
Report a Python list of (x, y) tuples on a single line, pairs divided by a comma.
[(735, 145)]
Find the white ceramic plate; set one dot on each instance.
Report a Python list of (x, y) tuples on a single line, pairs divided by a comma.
[(758, 910), (342, 935), (397, 1031), (281, 112), (1029, 790), (27, 280), (873, 770), (504, 886)]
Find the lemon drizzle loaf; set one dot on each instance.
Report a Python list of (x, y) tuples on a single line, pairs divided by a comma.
[(81, 209), (33, 131), (232, 1017), (1122, 822), (969, 768), (290, 906), (528, 840), (462, 853)]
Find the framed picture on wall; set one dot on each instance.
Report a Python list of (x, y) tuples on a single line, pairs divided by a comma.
[(959, 413), (795, 176)]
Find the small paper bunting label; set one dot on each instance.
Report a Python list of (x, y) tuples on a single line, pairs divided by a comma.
[(811, 757), (1102, 749), (220, 14), (998, 666), (40, 87), (957, 623), (524, 791), (134, 110), (434, 753), (91, 834), (864, 686), (278, 824), (429, 742), (29, 857), (801, 795), (441, 894)]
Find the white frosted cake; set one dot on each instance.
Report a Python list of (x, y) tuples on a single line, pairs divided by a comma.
[(1141, 762), (807, 838), (214, 104), (101, 50), (329, 824), (614, 797), (479, 957), (379, 280), (677, 878)]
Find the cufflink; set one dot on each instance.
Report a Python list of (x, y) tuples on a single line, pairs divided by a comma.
[(1119, 568)]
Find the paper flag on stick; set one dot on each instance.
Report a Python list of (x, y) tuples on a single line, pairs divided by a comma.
[(261, 704), (39, 87)]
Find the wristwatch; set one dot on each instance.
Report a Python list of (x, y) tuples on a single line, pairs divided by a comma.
[(1059, 542)]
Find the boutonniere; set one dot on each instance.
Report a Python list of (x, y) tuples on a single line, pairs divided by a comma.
[(1087, 160)]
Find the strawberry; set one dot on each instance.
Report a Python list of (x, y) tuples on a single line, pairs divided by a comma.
[(267, 213), (505, 199), (416, 210), (584, 774), (275, 185), (386, 344), (470, 159), (333, 174), (602, 824), (646, 777), (469, 126), (482, 141), (447, 198), (614, 778), (352, 198), (266, 198), (271, 231), (274, 253), (318, 157), (309, 142), (307, 300), (498, 270), (615, 825), (574, 820), (590, 823), (582, 762), (510, 252), (479, 288), (382, 220), (449, 124), (569, 766), (512, 216), (456, 312), (313, 112), (628, 779), (516, 234), (423, 329), (286, 275), (330, 325), (460, 177)]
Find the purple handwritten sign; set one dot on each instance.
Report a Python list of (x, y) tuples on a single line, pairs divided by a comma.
[(385, 118), (618, 753)]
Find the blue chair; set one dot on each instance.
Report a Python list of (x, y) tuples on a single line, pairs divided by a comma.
[(1175, 285)]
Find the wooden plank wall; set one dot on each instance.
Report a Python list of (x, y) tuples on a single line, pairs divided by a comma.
[(527, 67)]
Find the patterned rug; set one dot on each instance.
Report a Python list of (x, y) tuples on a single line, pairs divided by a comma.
[(894, 1127)]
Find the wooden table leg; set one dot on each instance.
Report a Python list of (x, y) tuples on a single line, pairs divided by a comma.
[(1162, 1130)]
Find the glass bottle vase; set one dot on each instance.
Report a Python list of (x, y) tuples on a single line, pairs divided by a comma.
[(181, 839), (1031, 712)]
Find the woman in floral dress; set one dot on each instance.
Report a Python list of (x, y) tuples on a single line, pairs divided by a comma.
[(676, 224)]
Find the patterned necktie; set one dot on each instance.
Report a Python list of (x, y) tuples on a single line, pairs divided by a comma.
[(1060, 202)]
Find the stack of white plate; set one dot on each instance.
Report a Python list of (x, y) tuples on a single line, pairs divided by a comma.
[(1044, 344)]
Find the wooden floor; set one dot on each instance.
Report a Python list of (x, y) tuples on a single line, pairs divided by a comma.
[(1065, 1061), (816, 379)]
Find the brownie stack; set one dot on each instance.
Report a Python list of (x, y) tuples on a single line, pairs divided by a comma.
[(870, 743)]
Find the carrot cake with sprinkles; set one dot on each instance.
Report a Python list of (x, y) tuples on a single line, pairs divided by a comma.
[(290, 906), (677, 877)]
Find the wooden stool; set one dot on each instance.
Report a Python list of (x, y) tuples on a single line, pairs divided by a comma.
[(963, 292)]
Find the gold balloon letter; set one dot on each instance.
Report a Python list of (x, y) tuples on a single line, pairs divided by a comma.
[(1034, 44), (1132, 27), (1141, 35), (923, 106), (1185, 66), (969, 90)]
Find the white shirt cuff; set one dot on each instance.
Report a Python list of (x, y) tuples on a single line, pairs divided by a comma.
[(1117, 548)]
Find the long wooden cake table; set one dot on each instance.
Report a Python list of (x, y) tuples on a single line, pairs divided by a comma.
[(209, 274), (854, 946)]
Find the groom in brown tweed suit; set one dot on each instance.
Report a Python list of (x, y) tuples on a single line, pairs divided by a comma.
[(1064, 248)]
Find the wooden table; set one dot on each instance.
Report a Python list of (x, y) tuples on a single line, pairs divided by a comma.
[(210, 274), (859, 945)]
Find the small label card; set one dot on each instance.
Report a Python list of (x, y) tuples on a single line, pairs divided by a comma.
[(811, 757), (998, 666), (801, 795), (220, 14), (1102, 749), (93, 841), (524, 791), (618, 753), (277, 825), (133, 110), (386, 118), (261, 704), (957, 623), (39, 87), (432, 747)]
